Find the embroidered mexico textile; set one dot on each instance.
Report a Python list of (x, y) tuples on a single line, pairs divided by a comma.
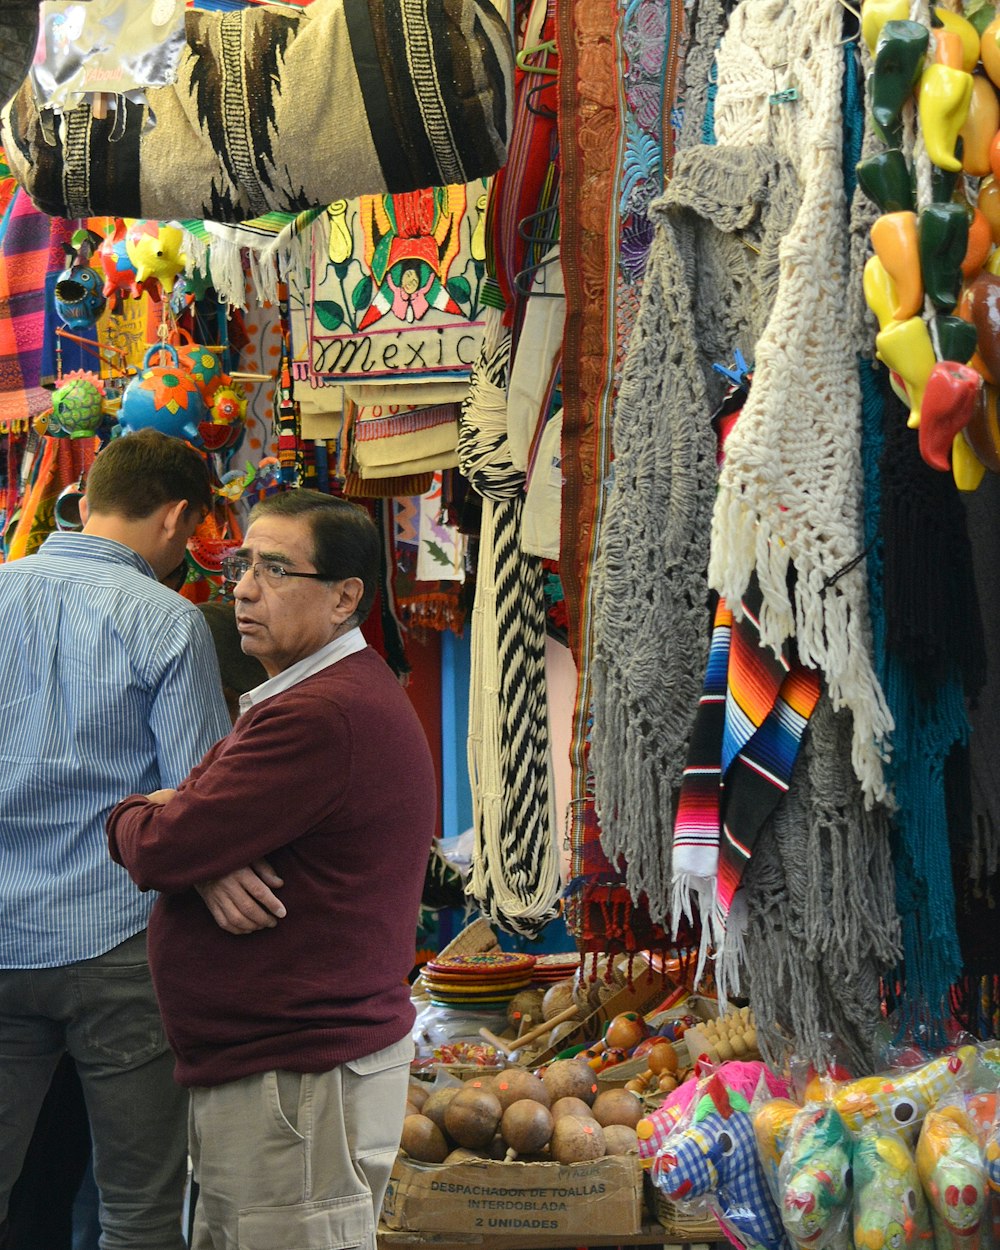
[(397, 293)]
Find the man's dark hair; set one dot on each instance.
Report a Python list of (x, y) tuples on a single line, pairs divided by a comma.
[(138, 473), (345, 540)]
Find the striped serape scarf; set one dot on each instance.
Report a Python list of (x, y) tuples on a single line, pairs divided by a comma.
[(752, 713)]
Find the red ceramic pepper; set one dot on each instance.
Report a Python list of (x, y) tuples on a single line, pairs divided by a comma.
[(949, 401)]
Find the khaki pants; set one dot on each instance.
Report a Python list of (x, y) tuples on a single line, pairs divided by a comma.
[(298, 1161)]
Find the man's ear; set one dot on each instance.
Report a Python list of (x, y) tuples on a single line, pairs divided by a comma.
[(172, 517), (84, 510), (352, 590)]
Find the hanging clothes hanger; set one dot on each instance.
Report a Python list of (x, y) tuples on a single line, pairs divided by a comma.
[(546, 48), (531, 101), (540, 231)]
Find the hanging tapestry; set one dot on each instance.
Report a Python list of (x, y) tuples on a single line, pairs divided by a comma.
[(397, 294), (441, 548), (616, 149), (31, 246)]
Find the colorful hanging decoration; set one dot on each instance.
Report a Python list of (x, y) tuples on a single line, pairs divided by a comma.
[(931, 283)]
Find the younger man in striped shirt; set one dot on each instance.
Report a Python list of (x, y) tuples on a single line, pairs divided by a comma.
[(108, 685)]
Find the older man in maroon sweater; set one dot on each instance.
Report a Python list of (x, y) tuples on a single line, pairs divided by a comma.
[(306, 831)]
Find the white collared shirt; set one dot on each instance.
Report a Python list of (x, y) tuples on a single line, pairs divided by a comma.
[(341, 647)]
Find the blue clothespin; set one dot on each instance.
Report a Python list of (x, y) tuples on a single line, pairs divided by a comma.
[(738, 373)]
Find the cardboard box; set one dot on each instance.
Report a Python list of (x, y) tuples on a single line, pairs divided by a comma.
[(484, 1198)]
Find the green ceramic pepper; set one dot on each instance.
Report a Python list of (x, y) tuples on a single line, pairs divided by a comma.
[(899, 61), (944, 181), (885, 179), (944, 236), (953, 338)]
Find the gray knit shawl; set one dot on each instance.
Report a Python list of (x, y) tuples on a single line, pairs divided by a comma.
[(709, 287), (822, 924)]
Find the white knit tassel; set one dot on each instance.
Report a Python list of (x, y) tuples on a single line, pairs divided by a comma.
[(228, 278), (195, 252), (730, 950)]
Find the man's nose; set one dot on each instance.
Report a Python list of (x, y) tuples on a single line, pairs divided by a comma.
[(248, 587)]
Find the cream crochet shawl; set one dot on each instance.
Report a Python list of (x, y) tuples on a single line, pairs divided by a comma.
[(790, 492)]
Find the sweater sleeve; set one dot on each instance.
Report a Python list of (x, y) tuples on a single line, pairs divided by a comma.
[(282, 771)]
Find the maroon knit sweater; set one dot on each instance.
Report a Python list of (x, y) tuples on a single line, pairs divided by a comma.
[(333, 782)]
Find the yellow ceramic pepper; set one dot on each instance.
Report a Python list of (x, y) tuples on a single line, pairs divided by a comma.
[(943, 106), (965, 467), (875, 14), (896, 243), (905, 346), (980, 126), (880, 291), (966, 32)]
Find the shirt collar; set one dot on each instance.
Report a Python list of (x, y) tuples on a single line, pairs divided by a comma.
[(341, 647), (91, 547)]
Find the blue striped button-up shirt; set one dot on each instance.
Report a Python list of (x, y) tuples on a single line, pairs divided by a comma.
[(109, 686)]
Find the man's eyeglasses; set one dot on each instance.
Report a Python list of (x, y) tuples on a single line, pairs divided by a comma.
[(234, 569)]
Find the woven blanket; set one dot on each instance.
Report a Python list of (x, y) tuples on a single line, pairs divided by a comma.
[(396, 287), (746, 736), (415, 93), (410, 441), (30, 248)]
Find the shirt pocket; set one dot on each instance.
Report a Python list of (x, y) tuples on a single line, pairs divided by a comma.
[(333, 1224)]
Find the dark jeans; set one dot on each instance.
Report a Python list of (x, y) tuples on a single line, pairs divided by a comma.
[(40, 1211), (103, 1013)]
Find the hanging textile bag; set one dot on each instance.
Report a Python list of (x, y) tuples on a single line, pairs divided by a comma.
[(274, 110)]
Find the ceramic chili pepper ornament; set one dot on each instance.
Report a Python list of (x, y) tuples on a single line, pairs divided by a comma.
[(899, 63), (943, 240), (950, 397)]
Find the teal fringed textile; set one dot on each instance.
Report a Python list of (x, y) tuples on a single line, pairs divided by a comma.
[(926, 730)]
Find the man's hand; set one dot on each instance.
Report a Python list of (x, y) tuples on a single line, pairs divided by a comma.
[(159, 797), (242, 901)]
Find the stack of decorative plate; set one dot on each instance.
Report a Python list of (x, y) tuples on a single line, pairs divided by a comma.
[(549, 968), (488, 979)]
